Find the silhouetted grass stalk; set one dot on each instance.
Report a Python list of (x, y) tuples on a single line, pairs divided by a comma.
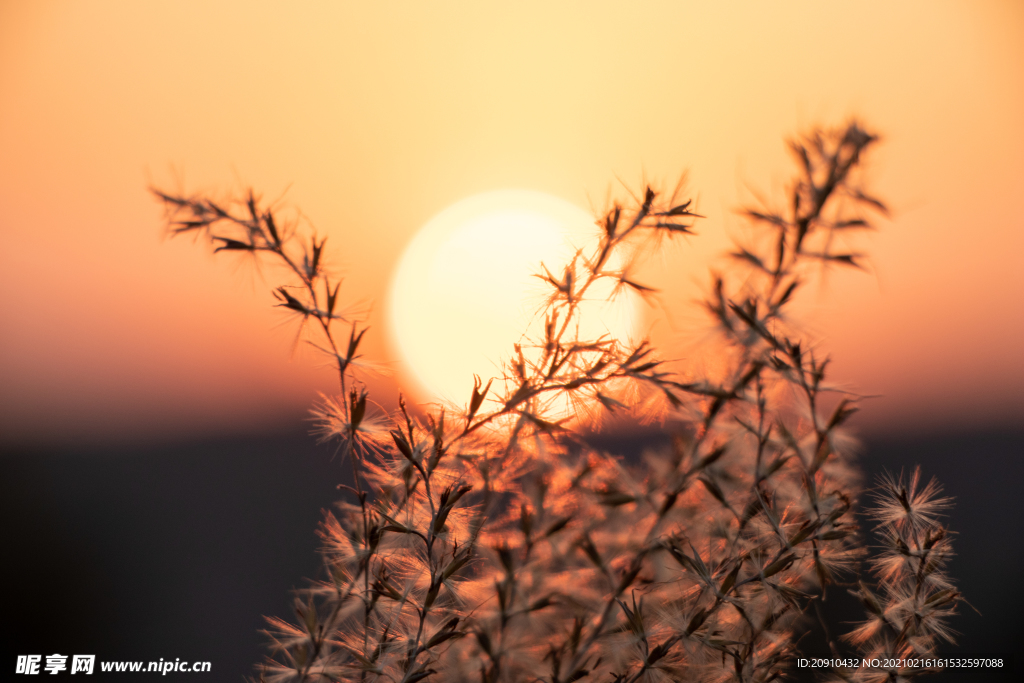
[(492, 543)]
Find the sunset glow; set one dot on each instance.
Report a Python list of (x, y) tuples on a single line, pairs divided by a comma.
[(372, 120), (467, 287), (565, 341)]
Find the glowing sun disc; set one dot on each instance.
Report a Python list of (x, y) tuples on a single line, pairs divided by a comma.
[(465, 288)]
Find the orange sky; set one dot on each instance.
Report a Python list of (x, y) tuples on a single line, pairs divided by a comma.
[(379, 115)]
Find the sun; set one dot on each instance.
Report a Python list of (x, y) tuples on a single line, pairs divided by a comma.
[(464, 291)]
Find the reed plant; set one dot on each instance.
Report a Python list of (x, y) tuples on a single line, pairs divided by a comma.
[(493, 542)]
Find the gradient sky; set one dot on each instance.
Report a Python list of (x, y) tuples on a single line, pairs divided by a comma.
[(376, 116)]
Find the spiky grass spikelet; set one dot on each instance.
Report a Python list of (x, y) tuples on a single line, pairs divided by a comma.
[(494, 544)]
